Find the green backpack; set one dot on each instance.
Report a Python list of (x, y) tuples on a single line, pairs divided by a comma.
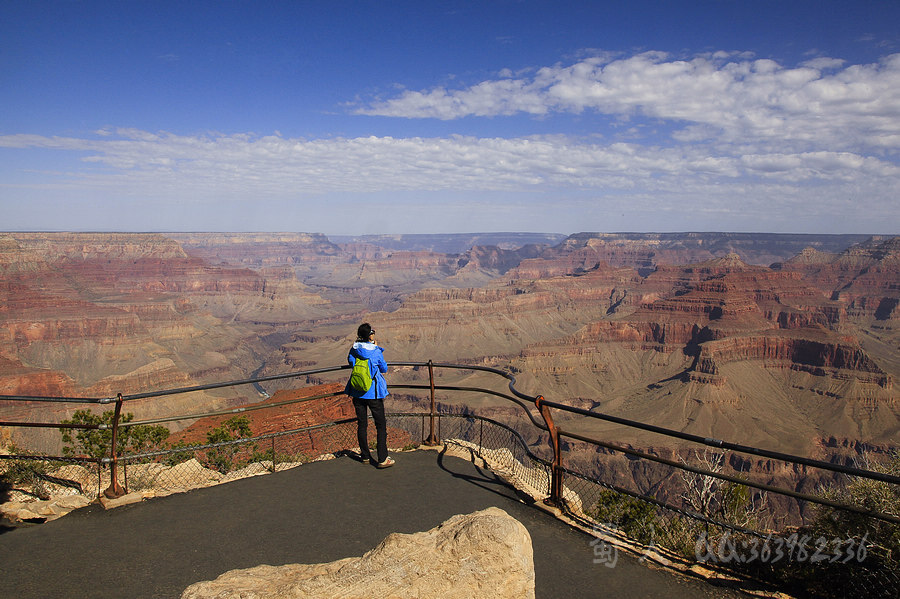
[(360, 377)]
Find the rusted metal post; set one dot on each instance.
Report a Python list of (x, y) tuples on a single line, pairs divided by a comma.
[(115, 489), (432, 440), (556, 474)]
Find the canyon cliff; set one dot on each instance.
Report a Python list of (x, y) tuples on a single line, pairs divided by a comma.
[(691, 331)]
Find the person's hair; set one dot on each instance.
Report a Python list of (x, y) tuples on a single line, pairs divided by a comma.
[(364, 332)]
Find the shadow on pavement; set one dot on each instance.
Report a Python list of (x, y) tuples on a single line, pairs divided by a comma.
[(315, 513)]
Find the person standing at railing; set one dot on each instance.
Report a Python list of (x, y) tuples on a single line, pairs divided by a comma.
[(370, 397)]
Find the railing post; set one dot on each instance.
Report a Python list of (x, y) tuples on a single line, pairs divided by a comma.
[(115, 489), (556, 474), (432, 440)]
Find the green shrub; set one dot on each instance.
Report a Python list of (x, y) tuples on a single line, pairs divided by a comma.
[(634, 517), (223, 459), (873, 544), (177, 457), (95, 443)]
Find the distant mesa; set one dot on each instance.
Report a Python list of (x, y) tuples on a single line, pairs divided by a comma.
[(458, 243)]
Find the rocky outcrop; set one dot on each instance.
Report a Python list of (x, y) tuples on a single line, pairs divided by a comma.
[(678, 306), (816, 357), (18, 379), (53, 248), (864, 278), (397, 268), (498, 259), (487, 554), (43, 510), (707, 331)]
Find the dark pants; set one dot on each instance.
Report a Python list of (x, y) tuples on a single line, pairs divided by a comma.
[(362, 427)]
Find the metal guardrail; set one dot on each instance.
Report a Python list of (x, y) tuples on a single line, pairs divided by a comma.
[(539, 411), (518, 398)]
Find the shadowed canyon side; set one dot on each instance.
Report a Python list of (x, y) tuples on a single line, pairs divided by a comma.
[(680, 330)]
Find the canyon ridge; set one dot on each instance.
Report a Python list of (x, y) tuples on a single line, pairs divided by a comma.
[(787, 342)]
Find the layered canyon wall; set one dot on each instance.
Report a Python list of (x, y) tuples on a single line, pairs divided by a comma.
[(691, 331)]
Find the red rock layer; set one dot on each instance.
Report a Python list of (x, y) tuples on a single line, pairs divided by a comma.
[(826, 359), (723, 311), (294, 416), (865, 278), (86, 307)]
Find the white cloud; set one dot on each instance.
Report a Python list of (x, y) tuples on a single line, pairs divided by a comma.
[(752, 145), (813, 106), (824, 63), (244, 164)]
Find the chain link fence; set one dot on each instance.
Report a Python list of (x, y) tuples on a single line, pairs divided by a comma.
[(190, 467), (40, 477), (732, 533), (501, 447), (35, 489)]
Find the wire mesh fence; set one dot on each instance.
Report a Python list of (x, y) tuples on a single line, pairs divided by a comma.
[(192, 466), (732, 533), (501, 447), (35, 489)]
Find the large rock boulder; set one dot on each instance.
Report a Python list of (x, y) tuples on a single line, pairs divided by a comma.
[(484, 554)]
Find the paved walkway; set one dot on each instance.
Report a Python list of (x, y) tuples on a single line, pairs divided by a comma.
[(317, 513)]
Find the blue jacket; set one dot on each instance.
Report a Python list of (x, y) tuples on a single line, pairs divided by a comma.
[(377, 366)]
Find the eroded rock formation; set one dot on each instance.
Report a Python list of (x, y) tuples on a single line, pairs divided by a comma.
[(690, 330), (865, 278)]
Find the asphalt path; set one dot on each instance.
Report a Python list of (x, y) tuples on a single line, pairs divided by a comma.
[(316, 513)]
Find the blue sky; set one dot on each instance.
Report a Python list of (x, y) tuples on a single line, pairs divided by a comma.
[(418, 117)]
